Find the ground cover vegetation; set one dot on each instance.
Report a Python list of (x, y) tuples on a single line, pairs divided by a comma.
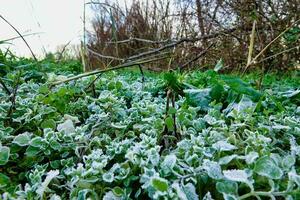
[(197, 135)]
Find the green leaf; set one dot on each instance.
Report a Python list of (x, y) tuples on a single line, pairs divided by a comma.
[(55, 145), (22, 139), (118, 191), (223, 146), (4, 155), (49, 123), (228, 187), (265, 166), (159, 184), (37, 142), (32, 151), (217, 92), (241, 87), (172, 110), (169, 123), (4, 180)]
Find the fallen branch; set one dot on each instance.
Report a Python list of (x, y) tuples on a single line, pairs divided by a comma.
[(20, 36), (129, 64)]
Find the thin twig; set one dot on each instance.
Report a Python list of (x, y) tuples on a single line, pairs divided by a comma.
[(20, 36)]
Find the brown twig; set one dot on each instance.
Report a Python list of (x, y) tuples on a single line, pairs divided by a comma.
[(20, 36)]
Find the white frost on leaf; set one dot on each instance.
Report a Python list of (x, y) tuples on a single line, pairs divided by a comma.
[(50, 175), (68, 127)]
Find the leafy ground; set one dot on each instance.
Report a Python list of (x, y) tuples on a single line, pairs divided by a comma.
[(114, 139)]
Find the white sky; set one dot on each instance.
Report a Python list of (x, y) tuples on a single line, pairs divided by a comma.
[(59, 20)]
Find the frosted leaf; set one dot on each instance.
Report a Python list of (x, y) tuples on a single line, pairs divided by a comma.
[(251, 157), (207, 196), (111, 196), (227, 159), (50, 175), (267, 167), (213, 169), (236, 175), (168, 163), (223, 146), (67, 127)]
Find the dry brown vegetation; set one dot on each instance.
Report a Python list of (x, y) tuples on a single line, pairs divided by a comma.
[(195, 33)]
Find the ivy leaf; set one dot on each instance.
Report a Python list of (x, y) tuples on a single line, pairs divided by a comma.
[(265, 166), (159, 184), (22, 139), (4, 155)]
